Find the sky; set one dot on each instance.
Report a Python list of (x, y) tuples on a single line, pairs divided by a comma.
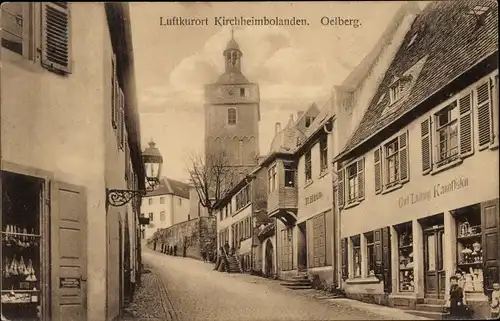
[(293, 65)]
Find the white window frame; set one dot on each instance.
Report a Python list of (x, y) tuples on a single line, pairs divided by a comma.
[(162, 216), (369, 258), (391, 155), (162, 200), (150, 201), (451, 109), (356, 251), (272, 178), (293, 174), (354, 198)]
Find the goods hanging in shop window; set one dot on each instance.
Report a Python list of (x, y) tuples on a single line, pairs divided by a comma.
[(21, 252)]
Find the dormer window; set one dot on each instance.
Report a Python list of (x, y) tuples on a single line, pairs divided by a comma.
[(231, 116), (397, 88)]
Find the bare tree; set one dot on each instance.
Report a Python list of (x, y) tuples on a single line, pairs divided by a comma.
[(212, 176)]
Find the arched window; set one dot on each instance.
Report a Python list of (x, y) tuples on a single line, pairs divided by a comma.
[(231, 116)]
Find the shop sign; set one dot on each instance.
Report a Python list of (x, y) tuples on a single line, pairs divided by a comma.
[(313, 198), (434, 192), (69, 283)]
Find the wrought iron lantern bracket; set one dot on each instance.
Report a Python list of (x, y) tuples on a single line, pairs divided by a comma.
[(120, 197)]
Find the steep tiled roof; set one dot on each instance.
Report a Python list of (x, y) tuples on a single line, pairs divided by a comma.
[(286, 140), (171, 186), (453, 42)]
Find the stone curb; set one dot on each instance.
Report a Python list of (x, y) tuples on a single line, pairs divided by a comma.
[(168, 307)]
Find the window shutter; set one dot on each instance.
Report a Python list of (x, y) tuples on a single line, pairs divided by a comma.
[(345, 258), (121, 120), (56, 45), (340, 188), (377, 161), (425, 134), (316, 241), (386, 259), (114, 92), (290, 248), (491, 243), (465, 126), (321, 239), (310, 243), (126, 162), (404, 168), (361, 179), (484, 115), (377, 245)]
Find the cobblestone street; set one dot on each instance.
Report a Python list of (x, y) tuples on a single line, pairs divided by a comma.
[(185, 289)]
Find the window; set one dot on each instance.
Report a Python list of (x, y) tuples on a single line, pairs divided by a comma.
[(398, 88), (150, 201), (162, 200), (308, 166), (243, 92), (323, 146), (272, 178), (319, 241), (356, 252), (162, 216), (351, 181), (226, 210), (189, 217), (16, 26), (447, 133), (231, 116), (392, 162), (405, 257), (56, 33), (230, 207), (309, 121), (151, 216), (289, 175), (370, 253), (243, 198), (180, 201), (286, 250)]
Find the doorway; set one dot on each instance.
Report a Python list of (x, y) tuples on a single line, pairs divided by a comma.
[(269, 259), (435, 276), (302, 247)]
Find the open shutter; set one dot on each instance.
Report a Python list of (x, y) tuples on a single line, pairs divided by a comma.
[(425, 134), (483, 100), (491, 243), (68, 234), (377, 161), (310, 243), (316, 241), (56, 44), (361, 179), (127, 163), (290, 248), (377, 246), (340, 188), (404, 168), (465, 126), (114, 91), (321, 240), (345, 258), (122, 120), (386, 259)]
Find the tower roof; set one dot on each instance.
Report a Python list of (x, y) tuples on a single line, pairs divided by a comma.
[(232, 45)]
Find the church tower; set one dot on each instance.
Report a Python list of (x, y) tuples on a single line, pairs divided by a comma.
[(232, 113)]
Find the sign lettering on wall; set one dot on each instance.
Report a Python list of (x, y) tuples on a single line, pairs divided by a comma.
[(436, 191), (313, 198)]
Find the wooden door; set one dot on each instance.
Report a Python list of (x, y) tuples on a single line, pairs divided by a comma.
[(68, 252), (434, 268), (491, 243)]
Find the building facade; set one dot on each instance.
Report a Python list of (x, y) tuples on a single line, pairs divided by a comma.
[(232, 114), (167, 205), (69, 132), (416, 203)]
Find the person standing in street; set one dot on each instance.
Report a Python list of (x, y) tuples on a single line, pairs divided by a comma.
[(226, 247), (458, 309), (495, 302), (204, 255)]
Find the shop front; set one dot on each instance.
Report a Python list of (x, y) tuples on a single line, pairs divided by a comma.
[(42, 248), (418, 237)]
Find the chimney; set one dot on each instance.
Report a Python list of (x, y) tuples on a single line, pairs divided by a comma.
[(291, 118), (299, 114), (277, 128)]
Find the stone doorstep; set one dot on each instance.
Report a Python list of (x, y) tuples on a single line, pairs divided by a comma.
[(382, 310)]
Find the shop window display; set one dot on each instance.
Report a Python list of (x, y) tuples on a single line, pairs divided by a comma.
[(21, 248), (406, 263), (469, 248), (356, 251)]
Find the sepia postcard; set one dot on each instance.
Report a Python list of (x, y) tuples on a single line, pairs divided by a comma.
[(314, 160)]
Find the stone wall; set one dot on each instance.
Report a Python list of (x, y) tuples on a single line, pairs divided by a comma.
[(193, 235)]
